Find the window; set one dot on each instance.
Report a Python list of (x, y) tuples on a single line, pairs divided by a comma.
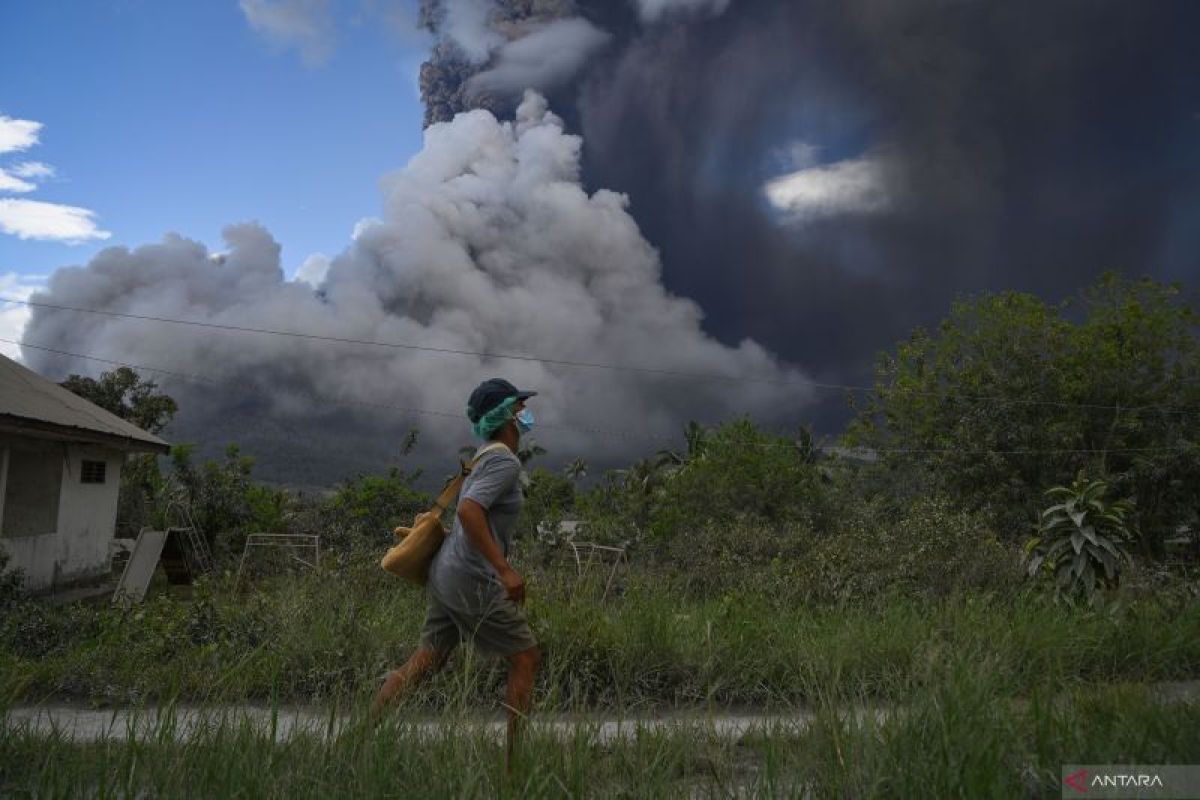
[(35, 473), (92, 471)]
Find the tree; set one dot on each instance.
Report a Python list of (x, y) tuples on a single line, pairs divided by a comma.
[(576, 470), (126, 394), (1012, 395)]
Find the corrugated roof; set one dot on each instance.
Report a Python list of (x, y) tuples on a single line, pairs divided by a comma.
[(31, 402)]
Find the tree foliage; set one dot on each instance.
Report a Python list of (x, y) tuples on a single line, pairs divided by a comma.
[(1012, 395), (128, 395), (733, 472)]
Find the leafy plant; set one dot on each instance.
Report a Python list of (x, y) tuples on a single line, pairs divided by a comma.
[(1082, 539), (1011, 394), (733, 471), (369, 506), (548, 497), (128, 395)]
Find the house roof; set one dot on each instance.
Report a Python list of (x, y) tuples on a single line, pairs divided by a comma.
[(36, 406)]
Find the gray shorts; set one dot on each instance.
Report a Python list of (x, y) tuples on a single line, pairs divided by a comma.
[(498, 629)]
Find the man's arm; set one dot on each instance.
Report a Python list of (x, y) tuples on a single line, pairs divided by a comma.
[(479, 534)]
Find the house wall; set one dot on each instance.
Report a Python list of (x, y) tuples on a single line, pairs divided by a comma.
[(77, 547)]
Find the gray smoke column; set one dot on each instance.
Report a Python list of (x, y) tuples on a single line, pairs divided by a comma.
[(825, 175), (544, 58), (487, 243), (488, 52)]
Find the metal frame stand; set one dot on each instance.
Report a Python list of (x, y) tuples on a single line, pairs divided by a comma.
[(582, 566), (290, 541), (197, 553)]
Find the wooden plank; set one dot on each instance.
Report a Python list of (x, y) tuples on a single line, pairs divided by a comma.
[(135, 578)]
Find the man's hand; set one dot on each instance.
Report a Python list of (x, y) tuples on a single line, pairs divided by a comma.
[(514, 585)]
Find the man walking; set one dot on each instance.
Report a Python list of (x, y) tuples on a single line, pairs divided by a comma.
[(473, 592)]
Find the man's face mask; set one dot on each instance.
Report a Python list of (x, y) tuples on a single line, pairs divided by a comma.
[(524, 420)]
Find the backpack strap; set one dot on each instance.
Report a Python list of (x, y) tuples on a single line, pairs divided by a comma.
[(450, 493)]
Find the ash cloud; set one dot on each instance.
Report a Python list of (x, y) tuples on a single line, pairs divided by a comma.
[(489, 51), (820, 176), (952, 148), (542, 59), (487, 243)]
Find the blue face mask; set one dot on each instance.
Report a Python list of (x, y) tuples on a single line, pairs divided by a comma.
[(525, 420)]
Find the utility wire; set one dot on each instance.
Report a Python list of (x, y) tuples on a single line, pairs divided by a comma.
[(574, 364), (612, 432), (191, 376)]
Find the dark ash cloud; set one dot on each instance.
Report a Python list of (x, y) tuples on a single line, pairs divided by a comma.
[(1018, 145)]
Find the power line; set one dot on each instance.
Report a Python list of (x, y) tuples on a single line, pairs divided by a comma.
[(340, 400), (399, 345), (611, 432), (576, 364)]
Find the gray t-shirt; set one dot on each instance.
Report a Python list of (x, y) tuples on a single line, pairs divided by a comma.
[(460, 576)]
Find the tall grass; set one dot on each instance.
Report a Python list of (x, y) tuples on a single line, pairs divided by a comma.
[(315, 638), (957, 739)]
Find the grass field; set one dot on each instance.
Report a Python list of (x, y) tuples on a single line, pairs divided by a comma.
[(330, 636), (991, 692), (961, 739)]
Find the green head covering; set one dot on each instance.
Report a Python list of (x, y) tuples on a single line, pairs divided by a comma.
[(495, 419)]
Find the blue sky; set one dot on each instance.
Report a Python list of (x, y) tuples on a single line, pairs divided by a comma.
[(179, 116)]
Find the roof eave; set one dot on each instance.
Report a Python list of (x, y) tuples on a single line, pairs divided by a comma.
[(49, 430)]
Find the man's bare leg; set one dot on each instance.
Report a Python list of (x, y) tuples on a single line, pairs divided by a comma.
[(400, 682), (522, 667)]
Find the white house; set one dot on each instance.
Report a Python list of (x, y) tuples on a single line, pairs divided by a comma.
[(60, 469)]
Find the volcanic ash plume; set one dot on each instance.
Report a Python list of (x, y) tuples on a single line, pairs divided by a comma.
[(490, 51), (487, 243)]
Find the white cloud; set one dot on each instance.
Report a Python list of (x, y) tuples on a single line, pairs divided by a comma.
[(306, 25), (33, 219), (22, 177), (313, 270), (33, 169), (9, 182), (852, 186), (13, 317), (654, 10), (17, 134), (542, 59)]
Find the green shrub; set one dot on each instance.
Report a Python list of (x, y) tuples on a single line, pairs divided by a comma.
[(369, 507), (1081, 539), (931, 549), (548, 498), (742, 473)]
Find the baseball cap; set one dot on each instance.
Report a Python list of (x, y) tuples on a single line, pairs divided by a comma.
[(490, 394)]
